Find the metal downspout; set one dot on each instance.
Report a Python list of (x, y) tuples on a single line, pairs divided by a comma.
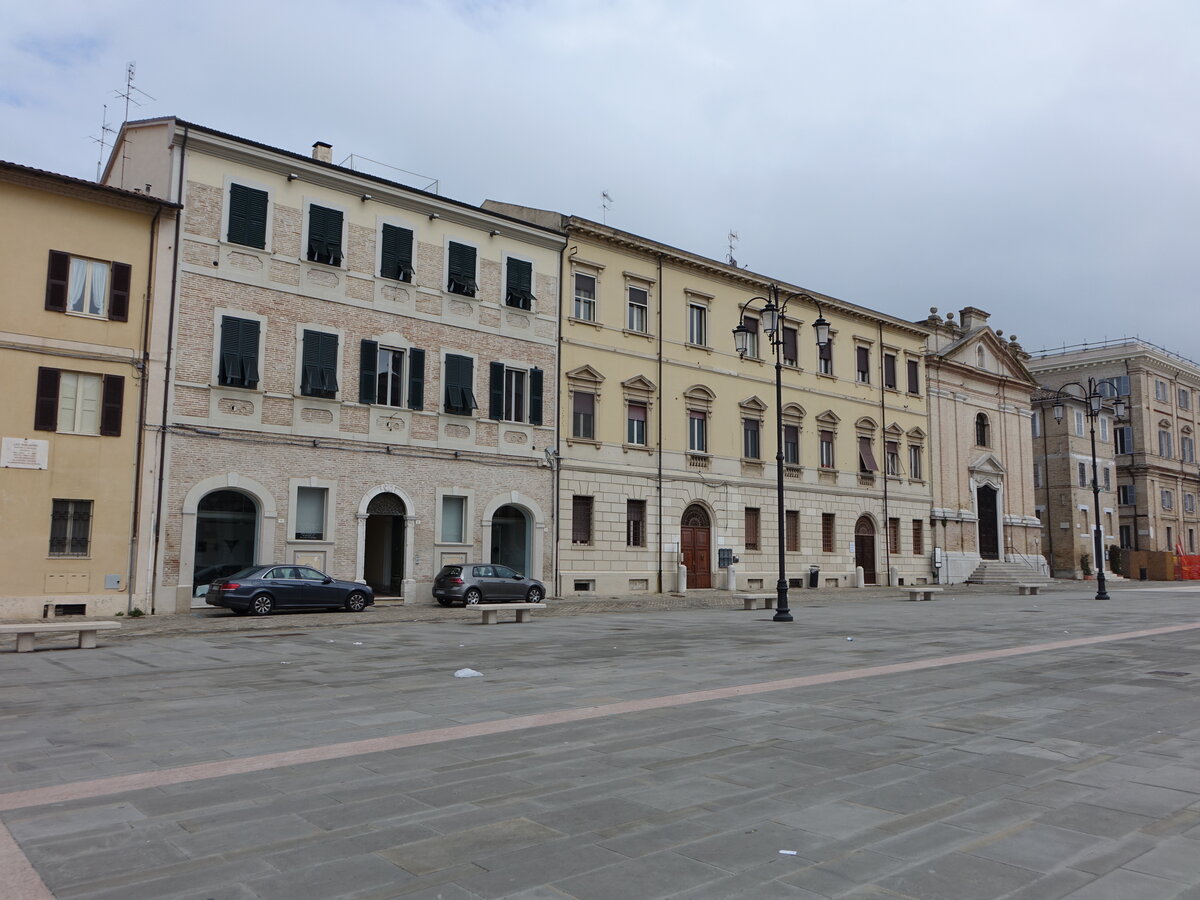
[(658, 429), (556, 506), (887, 525)]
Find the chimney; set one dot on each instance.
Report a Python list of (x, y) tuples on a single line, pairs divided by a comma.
[(323, 152), (972, 317)]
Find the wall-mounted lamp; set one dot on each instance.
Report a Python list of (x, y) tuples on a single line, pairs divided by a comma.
[(366, 197), (433, 216), (493, 232), (292, 176)]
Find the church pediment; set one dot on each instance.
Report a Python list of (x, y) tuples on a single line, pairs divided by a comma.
[(983, 351), (987, 465)]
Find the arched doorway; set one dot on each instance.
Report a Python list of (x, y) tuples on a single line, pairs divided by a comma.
[(383, 549), (226, 534), (510, 538), (696, 545), (864, 548), (989, 522)]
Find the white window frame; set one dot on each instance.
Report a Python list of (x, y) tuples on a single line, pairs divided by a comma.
[(697, 430), (630, 307), (90, 265), (468, 498), (330, 488), (81, 418), (592, 306), (697, 322), (508, 402)]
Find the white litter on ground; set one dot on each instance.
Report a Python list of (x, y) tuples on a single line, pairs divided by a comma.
[(849, 638), (788, 852), (468, 673), (358, 643)]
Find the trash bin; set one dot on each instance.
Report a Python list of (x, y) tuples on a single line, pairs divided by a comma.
[(814, 572)]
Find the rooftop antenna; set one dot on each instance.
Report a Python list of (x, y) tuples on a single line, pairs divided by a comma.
[(606, 202), (128, 96), (733, 239), (102, 140)]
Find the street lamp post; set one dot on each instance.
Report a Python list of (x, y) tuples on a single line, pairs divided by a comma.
[(773, 313), (1094, 393)]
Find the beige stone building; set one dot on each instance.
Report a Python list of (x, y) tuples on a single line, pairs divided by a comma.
[(362, 374), (982, 455), (1152, 503), (668, 440), (74, 347)]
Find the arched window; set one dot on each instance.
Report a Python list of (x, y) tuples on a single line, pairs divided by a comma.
[(982, 431)]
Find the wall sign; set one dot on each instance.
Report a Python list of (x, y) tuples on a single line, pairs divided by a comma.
[(21, 453)]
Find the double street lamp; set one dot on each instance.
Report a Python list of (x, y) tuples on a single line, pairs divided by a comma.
[(772, 318), (1093, 395)]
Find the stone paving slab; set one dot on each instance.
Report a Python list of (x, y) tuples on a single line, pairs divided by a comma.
[(1069, 772)]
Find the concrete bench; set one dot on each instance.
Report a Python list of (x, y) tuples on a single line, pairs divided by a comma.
[(758, 601), (922, 592), (490, 611), (1024, 589), (87, 632)]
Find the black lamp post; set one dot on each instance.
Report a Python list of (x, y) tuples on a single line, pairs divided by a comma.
[(1093, 396), (772, 322)]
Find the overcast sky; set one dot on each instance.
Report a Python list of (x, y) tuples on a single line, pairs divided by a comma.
[(1036, 158)]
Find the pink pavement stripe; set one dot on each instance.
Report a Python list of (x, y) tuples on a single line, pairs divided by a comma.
[(21, 881), (119, 784)]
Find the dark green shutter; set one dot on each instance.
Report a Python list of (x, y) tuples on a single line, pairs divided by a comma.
[(416, 378), (56, 281), (496, 391), (111, 405), (45, 410), (118, 294), (248, 352), (328, 362), (535, 396), (368, 371), (247, 216), (462, 270), (519, 286), (310, 379), (231, 351), (396, 253), (324, 235)]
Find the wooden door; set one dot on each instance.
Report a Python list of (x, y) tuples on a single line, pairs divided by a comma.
[(989, 526), (864, 549), (697, 547)]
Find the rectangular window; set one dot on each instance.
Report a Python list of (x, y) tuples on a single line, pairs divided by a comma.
[(1079, 423), (866, 456), (889, 371), (914, 376), (1168, 499), (247, 216), (828, 521), (1121, 383), (825, 358), (826, 449), (1189, 503), (87, 287), (893, 535), (697, 431), (637, 317), (389, 377), (698, 324), (635, 523), (750, 444), (791, 527), (70, 527), (791, 348), (893, 457), (791, 444), (918, 536), (581, 520), (460, 269), (1104, 427), (1126, 494), (514, 395), (396, 253), (751, 324), (518, 291), (1185, 398), (460, 385), (319, 365), (753, 527), (310, 513), (1082, 472), (1107, 478), (585, 297), (381, 375), (1165, 444), (454, 520), (583, 415), (914, 462), (239, 353), (78, 403), (1160, 391), (862, 364), (1037, 475), (1187, 448), (1126, 537), (1170, 538), (324, 235), (635, 424), (1123, 439), (1035, 423)]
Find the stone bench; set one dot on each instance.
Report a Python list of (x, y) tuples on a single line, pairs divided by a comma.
[(1032, 589), (86, 630), (490, 611), (753, 601), (922, 592)]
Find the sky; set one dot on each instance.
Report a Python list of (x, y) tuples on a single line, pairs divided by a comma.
[(1037, 159)]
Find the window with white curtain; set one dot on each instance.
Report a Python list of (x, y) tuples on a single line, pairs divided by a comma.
[(87, 290)]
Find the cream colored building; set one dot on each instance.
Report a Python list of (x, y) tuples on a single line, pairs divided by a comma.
[(668, 440), (982, 456), (74, 347), (362, 372)]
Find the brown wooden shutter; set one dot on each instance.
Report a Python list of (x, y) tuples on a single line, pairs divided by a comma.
[(111, 405), (45, 414), (118, 296), (56, 281)]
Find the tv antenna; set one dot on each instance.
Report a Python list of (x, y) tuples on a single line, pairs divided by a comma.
[(105, 131), (606, 202), (129, 95), (733, 239)]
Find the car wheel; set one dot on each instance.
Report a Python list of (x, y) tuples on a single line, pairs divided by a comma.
[(471, 597), (356, 602), (261, 605), (534, 595), (444, 602)]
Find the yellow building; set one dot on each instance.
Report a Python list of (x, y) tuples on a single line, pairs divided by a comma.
[(74, 345), (668, 438)]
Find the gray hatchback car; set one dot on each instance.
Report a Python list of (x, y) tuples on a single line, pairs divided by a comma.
[(473, 583)]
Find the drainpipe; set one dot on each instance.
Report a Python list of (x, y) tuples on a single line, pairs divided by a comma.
[(887, 523), (1047, 528), (658, 484), (556, 506), (135, 517), (162, 432)]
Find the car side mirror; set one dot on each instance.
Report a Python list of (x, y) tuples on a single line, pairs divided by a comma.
[(327, 580)]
